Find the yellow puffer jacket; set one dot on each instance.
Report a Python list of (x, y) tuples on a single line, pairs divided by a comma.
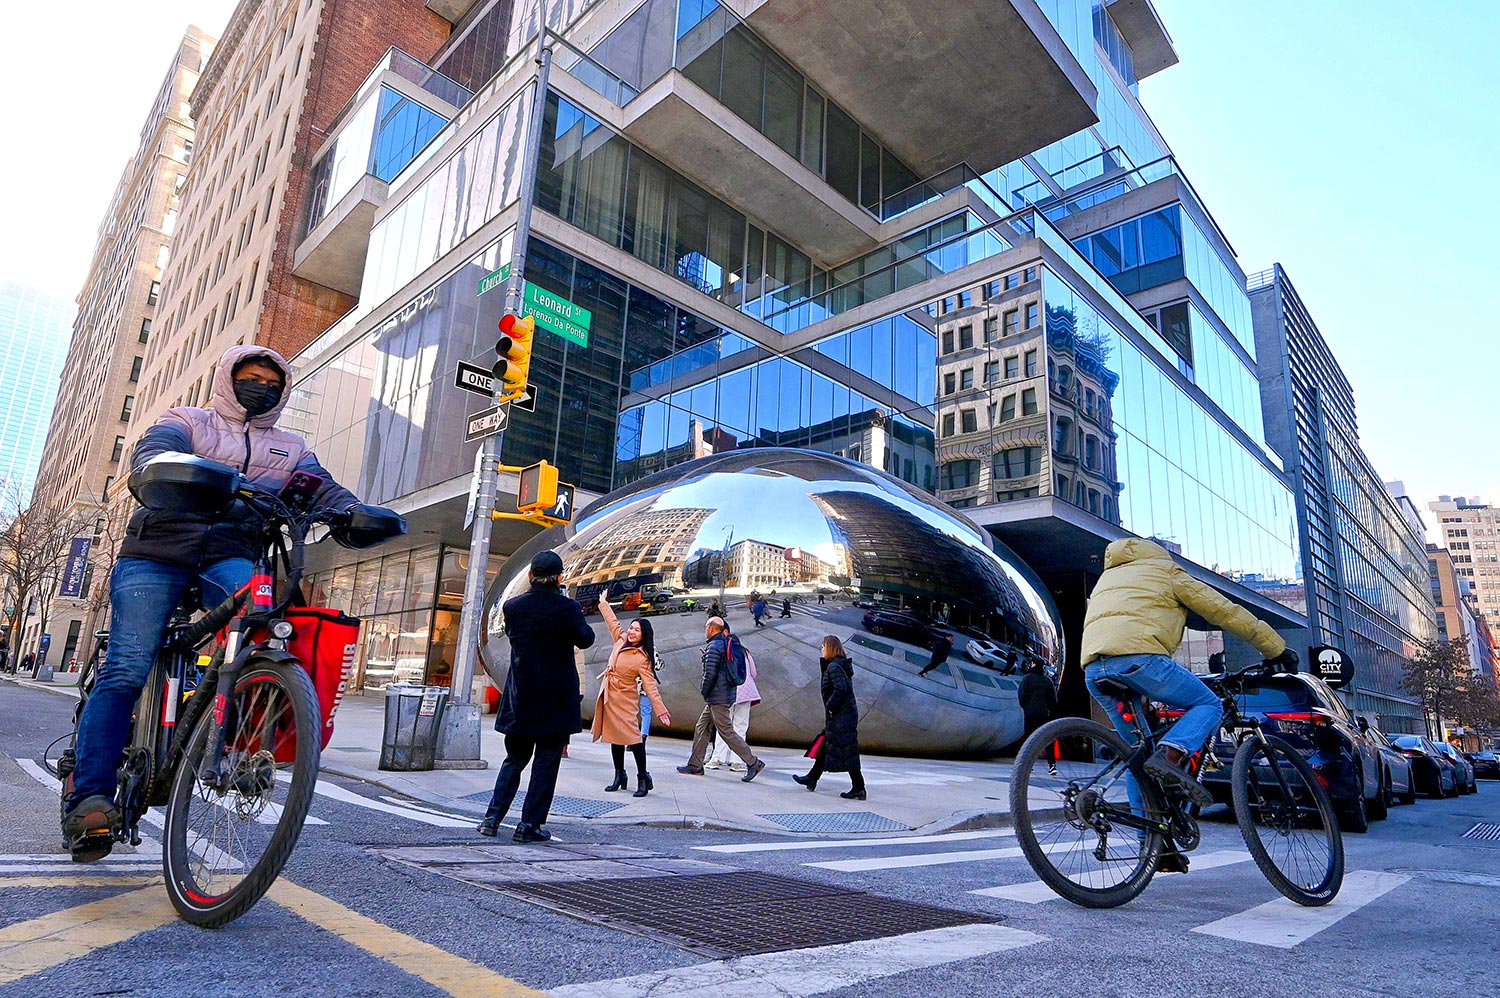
[(1140, 606)]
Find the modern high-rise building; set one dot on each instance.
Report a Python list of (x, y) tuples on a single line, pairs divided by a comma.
[(1000, 287), (1364, 556), (1457, 616), (33, 341), (1470, 531), (279, 76), (102, 373)]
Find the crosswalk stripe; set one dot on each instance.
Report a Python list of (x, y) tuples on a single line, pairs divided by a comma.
[(38, 944), (82, 870), (1035, 892), (905, 840), (917, 859), (349, 797), (62, 858), (61, 879), (797, 973), (1283, 924)]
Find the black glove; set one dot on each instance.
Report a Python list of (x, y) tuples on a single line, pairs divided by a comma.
[(1286, 661)]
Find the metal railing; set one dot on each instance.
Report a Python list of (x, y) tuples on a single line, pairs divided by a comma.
[(1260, 279), (936, 186), (591, 73)]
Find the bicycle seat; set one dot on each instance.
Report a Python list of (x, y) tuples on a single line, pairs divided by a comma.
[(1114, 688)]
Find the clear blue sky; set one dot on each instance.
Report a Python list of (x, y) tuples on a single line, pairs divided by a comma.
[(1356, 144)]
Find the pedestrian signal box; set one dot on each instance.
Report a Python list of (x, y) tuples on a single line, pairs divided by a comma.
[(538, 490)]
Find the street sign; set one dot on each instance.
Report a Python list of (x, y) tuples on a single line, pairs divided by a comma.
[(1332, 665), (473, 489), (493, 280), (485, 423), (571, 322), (472, 378)]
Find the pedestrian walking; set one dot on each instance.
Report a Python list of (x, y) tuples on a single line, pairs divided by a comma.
[(718, 688), (746, 695), (759, 611), (836, 750), (942, 644), (1037, 696), (540, 707), (28, 662), (627, 697), (786, 607), (820, 597)]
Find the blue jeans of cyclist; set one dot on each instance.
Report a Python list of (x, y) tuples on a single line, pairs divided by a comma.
[(1159, 678), (143, 595)]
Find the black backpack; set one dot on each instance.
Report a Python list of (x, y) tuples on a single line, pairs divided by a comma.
[(734, 661)]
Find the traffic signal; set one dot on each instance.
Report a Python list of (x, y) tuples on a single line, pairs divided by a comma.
[(538, 490), (514, 354)]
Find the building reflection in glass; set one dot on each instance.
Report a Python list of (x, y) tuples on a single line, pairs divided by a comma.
[(835, 547)]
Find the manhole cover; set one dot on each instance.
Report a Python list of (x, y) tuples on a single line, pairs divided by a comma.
[(723, 915), (848, 821), (1485, 831), (575, 807)]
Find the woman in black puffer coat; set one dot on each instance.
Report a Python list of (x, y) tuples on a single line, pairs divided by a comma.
[(838, 751)]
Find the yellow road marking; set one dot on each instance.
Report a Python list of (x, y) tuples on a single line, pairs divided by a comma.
[(437, 967), (81, 880), (39, 944)]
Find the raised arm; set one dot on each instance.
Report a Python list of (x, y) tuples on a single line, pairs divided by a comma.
[(1232, 617), (610, 620)]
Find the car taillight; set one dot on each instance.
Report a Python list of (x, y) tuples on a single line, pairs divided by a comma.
[(1298, 717)]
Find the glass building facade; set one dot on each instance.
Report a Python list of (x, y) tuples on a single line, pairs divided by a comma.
[(35, 329)]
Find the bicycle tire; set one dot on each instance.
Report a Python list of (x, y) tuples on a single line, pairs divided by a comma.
[(1277, 751), (1023, 821), (192, 900)]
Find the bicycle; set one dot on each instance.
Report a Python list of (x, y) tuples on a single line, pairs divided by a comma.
[(230, 751), (1071, 789)]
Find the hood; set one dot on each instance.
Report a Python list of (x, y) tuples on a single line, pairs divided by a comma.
[(223, 401), (1134, 549)]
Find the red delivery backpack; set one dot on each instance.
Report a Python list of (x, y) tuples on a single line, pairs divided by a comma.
[(326, 642)]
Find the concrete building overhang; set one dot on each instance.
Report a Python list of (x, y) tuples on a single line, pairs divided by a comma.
[(1150, 46), (451, 11), (936, 81), (1065, 546), (680, 124), (333, 254)]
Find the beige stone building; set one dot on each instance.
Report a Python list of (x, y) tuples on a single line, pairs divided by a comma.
[(1471, 533), (101, 377), (276, 82)]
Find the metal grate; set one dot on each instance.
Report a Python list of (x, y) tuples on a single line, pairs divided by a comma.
[(724, 915), (576, 807), (1485, 831), (844, 821)]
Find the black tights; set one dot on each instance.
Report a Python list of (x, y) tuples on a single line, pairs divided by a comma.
[(638, 750)]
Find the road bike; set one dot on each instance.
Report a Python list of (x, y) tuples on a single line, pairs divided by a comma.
[(1096, 826), (229, 746)]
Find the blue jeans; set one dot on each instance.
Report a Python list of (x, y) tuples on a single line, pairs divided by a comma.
[(1157, 677), (143, 595)]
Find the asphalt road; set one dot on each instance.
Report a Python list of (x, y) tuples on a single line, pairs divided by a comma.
[(364, 915)]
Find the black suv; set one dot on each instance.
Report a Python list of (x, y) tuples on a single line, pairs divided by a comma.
[(902, 626), (1306, 712)]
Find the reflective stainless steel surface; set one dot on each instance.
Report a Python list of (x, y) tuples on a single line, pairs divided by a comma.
[(898, 575)]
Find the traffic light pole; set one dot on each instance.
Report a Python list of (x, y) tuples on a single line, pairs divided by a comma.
[(458, 741)]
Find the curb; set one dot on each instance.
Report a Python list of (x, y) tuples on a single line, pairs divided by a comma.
[(71, 692)]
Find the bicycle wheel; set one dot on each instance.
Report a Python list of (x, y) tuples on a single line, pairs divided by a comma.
[(225, 844), (1067, 779), (1288, 821)]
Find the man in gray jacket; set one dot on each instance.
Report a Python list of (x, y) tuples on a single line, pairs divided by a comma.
[(718, 700)]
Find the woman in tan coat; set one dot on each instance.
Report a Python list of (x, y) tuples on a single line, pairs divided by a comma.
[(617, 712)]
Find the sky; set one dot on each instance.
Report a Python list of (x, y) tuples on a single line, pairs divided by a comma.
[(1352, 142), (1356, 144)]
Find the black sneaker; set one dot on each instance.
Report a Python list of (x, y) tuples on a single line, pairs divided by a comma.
[(753, 770), (489, 827), (530, 833), (89, 828), (1174, 774)]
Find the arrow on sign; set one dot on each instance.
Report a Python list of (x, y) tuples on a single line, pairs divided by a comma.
[(485, 423), (481, 382)]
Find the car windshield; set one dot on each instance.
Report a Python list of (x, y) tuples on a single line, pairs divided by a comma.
[(1278, 696), (1408, 741)]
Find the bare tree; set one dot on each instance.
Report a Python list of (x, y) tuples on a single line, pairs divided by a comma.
[(1476, 704), (1436, 674), (34, 543)]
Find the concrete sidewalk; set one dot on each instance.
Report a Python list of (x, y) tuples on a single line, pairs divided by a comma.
[(924, 795)]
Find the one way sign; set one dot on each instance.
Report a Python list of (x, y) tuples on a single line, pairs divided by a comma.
[(472, 378), (485, 423)]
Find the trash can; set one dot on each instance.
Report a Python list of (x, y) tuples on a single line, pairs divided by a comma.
[(413, 718)]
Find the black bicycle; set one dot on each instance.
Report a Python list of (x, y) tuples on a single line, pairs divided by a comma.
[(229, 747), (1096, 826)]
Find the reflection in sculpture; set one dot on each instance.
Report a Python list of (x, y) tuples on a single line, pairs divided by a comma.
[(793, 524)]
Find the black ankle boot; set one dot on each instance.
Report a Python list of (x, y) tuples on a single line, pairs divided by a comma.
[(622, 782), (806, 781), (643, 785), (854, 794)]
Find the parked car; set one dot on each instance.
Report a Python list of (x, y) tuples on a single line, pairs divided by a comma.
[(1486, 764), (1308, 715), (1463, 769), (1400, 781), (984, 651), (1433, 770), (902, 626)]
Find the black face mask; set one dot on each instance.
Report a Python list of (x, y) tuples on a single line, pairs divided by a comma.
[(257, 398)]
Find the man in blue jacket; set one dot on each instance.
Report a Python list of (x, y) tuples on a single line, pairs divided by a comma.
[(718, 691), (540, 706)]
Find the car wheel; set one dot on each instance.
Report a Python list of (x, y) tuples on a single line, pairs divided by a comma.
[(1354, 817), (1453, 792), (1410, 797), (876, 629), (1379, 806)]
